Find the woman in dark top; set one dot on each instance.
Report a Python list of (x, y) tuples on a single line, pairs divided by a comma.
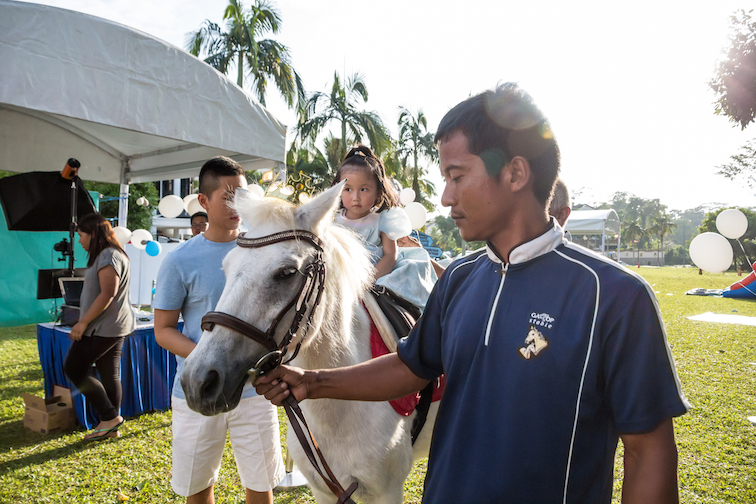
[(105, 319)]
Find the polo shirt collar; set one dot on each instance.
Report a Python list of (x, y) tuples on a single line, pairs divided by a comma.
[(538, 246)]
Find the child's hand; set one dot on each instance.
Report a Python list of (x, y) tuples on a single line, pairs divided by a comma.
[(408, 241)]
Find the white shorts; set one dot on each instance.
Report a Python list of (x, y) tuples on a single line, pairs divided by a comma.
[(198, 443)]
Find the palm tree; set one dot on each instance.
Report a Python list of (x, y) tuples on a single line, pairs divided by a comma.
[(241, 43), (417, 141), (340, 105), (633, 233), (662, 227), (312, 163)]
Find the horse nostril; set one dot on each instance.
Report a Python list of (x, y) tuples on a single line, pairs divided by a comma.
[(212, 384)]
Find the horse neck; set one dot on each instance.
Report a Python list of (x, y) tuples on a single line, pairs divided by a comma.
[(343, 336)]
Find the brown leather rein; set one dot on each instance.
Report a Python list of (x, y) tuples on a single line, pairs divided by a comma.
[(313, 285)]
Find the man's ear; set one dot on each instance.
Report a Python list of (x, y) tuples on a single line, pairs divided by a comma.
[(562, 214), (202, 198), (517, 173)]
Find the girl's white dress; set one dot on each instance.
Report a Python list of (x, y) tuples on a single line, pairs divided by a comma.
[(413, 276)]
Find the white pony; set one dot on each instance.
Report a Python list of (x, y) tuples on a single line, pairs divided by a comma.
[(366, 442)]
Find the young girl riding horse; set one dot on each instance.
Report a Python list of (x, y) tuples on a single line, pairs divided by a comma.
[(370, 207)]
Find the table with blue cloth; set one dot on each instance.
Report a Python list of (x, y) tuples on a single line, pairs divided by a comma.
[(147, 371)]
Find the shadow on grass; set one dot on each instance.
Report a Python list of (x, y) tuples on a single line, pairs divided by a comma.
[(291, 495), (12, 393), (39, 455), (18, 333), (31, 364)]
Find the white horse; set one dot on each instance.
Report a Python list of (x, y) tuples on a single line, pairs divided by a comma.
[(366, 442)]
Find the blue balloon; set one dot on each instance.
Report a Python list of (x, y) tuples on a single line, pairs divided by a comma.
[(153, 248)]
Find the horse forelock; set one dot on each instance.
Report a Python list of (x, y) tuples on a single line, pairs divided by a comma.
[(265, 213)]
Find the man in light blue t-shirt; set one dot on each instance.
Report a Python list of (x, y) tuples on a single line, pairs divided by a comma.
[(190, 283)]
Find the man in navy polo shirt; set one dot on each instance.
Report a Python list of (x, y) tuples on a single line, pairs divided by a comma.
[(551, 353)]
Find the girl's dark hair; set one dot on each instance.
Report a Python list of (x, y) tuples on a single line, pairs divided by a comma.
[(361, 157), (102, 235)]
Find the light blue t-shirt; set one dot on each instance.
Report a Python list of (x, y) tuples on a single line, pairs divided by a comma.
[(191, 279)]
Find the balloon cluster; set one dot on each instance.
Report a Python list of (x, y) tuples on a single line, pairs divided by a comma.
[(711, 251), (140, 238), (170, 206), (415, 211)]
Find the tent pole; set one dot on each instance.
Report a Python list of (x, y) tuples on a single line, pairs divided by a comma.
[(619, 237), (72, 226), (123, 205)]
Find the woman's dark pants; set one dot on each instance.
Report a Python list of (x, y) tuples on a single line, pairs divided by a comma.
[(104, 394)]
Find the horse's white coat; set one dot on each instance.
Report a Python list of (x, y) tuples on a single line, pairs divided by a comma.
[(367, 442)]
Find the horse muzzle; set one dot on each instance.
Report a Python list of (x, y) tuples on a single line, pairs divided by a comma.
[(208, 390)]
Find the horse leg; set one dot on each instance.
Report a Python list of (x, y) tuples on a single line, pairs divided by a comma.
[(421, 448), (322, 497)]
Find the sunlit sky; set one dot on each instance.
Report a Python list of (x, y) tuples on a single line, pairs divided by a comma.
[(623, 84)]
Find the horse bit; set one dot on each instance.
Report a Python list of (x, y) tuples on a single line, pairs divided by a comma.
[(313, 284)]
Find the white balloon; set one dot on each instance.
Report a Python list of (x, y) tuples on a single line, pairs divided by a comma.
[(417, 214), (141, 237), (188, 199), (407, 196), (711, 252), (171, 206), (122, 234), (142, 201), (732, 223), (193, 207), (256, 191)]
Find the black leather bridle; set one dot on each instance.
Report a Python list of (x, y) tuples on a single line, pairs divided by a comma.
[(313, 285)]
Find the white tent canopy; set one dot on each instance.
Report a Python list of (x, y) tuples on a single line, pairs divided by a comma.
[(595, 222), (592, 222), (129, 107)]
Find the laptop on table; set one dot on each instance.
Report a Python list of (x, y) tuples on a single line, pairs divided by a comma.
[(70, 288)]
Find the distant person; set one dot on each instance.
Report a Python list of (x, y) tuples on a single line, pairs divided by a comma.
[(190, 283), (541, 382), (198, 220), (560, 206), (105, 320)]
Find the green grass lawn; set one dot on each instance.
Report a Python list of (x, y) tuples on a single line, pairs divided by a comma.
[(716, 364)]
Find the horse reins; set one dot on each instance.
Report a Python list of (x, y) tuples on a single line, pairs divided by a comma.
[(313, 285)]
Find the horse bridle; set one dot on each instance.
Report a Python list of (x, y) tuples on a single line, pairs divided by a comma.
[(313, 285)]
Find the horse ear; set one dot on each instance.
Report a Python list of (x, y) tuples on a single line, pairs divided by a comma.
[(319, 212)]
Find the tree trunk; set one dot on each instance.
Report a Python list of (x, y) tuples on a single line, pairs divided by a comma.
[(240, 71)]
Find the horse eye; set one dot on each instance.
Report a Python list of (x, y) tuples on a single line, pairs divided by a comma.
[(286, 273)]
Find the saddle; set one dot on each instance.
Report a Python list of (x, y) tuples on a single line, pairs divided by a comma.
[(394, 317)]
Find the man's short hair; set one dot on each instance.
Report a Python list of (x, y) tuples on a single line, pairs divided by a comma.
[(560, 197), (197, 214), (214, 169), (501, 124)]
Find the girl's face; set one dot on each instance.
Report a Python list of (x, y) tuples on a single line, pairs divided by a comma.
[(84, 239), (359, 193)]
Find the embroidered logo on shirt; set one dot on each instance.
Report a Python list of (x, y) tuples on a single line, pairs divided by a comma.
[(541, 319), (535, 343)]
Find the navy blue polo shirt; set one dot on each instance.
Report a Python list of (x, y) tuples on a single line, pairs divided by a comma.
[(547, 360)]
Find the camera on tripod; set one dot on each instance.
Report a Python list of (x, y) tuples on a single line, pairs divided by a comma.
[(64, 247)]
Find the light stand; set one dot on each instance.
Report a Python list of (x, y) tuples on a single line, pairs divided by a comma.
[(66, 247)]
